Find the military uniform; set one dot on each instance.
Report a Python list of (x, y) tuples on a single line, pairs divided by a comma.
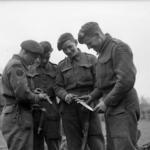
[(2, 102), (77, 76), (17, 123), (44, 78), (115, 79)]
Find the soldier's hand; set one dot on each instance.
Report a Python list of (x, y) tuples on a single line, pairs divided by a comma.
[(86, 98), (42, 96), (38, 91), (69, 98), (100, 107)]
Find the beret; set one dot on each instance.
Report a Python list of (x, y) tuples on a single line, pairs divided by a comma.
[(32, 46), (46, 46), (63, 38), (88, 30)]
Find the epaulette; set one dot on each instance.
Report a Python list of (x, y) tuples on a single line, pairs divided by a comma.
[(117, 41), (52, 63), (54, 66), (90, 56), (16, 65), (62, 61)]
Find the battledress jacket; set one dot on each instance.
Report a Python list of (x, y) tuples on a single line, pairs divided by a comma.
[(16, 84), (77, 76), (115, 76), (44, 78), (17, 124)]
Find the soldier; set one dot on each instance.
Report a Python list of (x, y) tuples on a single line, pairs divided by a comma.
[(115, 75), (43, 77), (76, 77), (1, 95), (3, 144), (17, 125)]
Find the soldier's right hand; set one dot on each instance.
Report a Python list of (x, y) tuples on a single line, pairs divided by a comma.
[(69, 98), (42, 96)]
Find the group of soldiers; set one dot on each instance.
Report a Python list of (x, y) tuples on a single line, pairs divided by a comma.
[(41, 97)]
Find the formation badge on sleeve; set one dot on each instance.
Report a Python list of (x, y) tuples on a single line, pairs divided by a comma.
[(19, 73)]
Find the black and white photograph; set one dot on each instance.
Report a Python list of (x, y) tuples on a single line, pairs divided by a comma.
[(74, 75)]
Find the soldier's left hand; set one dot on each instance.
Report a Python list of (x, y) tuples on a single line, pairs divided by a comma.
[(100, 107), (69, 98)]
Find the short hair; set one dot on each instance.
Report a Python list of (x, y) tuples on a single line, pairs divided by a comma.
[(63, 38), (46, 46), (88, 30)]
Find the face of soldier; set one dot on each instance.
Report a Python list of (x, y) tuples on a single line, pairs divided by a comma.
[(45, 58), (94, 42), (31, 58), (37, 61), (70, 48)]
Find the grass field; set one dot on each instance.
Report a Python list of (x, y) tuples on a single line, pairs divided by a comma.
[(144, 126)]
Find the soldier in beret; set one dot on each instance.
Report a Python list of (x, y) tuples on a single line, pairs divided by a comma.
[(43, 77), (115, 76), (76, 77), (17, 124)]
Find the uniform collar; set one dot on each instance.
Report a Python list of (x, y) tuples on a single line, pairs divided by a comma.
[(44, 67), (106, 42), (106, 49), (76, 57), (36, 70)]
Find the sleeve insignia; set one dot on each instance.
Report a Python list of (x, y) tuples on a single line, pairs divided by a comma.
[(19, 72)]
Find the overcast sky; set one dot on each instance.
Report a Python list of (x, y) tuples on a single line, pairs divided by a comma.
[(37, 20)]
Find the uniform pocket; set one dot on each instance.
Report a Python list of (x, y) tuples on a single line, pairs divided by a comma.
[(115, 112), (66, 71), (25, 120), (117, 124), (105, 67), (8, 118), (68, 75), (85, 73)]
